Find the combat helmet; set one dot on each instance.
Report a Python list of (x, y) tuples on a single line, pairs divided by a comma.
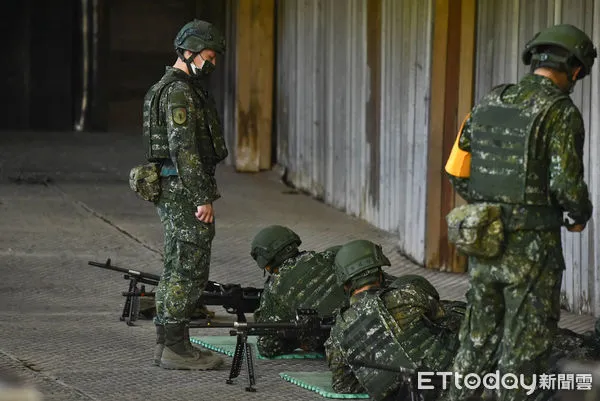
[(359, 259), (198, 35), (273, 245), (573, 40)]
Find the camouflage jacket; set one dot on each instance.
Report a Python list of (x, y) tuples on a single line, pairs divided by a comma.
[(191, 145), (431, 328), (562, 137), (279, 301)]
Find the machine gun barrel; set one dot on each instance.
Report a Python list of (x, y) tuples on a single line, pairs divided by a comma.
[(153, 278), (253, 325), (408, 376), (375, 365)]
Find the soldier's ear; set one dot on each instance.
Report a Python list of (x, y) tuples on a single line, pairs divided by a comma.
[(575, 73)]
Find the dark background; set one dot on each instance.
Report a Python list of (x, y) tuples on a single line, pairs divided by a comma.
[(43, 63)]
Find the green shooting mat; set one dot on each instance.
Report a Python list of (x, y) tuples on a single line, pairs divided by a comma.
[(319, 382), (226, 345)]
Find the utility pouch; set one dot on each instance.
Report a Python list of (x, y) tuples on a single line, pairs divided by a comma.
[(477, 230), (144, 180)]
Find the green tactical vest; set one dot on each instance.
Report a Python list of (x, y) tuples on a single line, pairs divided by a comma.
[(433, 343), (502, 169), (156, 141), (311, 284), (418, 281), (367, 333)]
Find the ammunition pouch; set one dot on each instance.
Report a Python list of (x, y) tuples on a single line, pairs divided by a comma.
[(477, 229), (144, 180)]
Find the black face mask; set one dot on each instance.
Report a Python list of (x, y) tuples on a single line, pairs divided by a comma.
[(197, 75), (202, 72)]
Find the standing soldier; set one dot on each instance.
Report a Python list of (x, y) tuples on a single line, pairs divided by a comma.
[(518, 161), (184, 142)]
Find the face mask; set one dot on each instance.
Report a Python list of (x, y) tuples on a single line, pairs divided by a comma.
[(205, 70)]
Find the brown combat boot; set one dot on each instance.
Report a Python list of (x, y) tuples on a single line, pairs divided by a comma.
[(181, 355), (196, 348), (160, 344)]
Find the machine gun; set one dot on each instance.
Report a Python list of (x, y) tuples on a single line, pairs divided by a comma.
[(234, 298), (307, 324), (409, 379)]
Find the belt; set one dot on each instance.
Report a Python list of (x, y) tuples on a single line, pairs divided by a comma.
[(167, 171)]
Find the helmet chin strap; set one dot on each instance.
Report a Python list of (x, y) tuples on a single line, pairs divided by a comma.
[(571, 82), (188, 62)]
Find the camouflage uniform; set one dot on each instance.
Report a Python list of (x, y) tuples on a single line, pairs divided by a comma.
[(428, 329), (514, 299), (305, 280), (187, 240), (411, 303), (184, 143)]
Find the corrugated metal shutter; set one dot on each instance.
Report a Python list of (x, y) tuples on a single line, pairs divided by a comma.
[(322, 92)]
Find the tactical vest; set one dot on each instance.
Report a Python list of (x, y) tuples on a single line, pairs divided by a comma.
[(418, 281), (502, 169), (156, 139), (314, 284), (431, 342), (367, 333)]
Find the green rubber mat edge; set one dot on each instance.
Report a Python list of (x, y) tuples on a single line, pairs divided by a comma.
[(299, 379)]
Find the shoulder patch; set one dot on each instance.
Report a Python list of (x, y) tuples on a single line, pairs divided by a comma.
[(179, 94), (179, 115)]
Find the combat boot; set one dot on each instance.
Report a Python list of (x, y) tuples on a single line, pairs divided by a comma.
[(195, 348), (160, 344), (179, 353)]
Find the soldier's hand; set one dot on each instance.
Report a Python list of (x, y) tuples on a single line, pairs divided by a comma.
[(576, 228), (205, 213)]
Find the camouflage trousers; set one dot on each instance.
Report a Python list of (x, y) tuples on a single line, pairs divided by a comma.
[(187, 251), (513, 308)]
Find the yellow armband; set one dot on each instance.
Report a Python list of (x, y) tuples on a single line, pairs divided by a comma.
[(459, 162)]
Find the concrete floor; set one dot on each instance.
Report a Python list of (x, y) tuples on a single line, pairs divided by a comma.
[(64, 200)]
